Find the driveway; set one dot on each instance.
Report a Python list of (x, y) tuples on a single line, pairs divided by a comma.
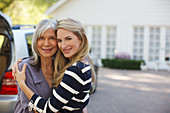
[(129, 91)]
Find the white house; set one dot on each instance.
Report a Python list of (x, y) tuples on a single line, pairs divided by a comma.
[(140, 28)]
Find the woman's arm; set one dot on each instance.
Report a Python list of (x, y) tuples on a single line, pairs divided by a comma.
[(24, 100), (70, 85), (21, 77)]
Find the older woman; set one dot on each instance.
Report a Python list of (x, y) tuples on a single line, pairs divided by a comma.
[(40, 67)]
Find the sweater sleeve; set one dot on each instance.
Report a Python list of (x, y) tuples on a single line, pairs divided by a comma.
[(72, 84), (22, 100)]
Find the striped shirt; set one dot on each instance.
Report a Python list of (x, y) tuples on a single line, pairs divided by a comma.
[(72, 94)]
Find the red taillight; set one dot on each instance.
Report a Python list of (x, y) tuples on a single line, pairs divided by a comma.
[(9, 86)]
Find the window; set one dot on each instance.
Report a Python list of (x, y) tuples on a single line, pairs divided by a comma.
[(96, 41), (138, 43), (154, 44), (111, 41), (29, 43), (5, 53), (1, 40), (167, 45)]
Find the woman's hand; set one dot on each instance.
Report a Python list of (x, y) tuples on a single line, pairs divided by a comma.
[(14, 66), (85, 110), (19, 75)]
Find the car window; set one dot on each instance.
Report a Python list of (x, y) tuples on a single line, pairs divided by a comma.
[(5, 53), (29, 37)]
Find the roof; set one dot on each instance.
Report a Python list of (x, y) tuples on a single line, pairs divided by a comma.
[(55, 6), (6, 18)]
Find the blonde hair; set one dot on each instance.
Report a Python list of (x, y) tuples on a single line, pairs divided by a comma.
[(41, 27), (61, 63)]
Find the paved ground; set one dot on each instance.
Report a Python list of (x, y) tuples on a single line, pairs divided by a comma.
[(124, 91)]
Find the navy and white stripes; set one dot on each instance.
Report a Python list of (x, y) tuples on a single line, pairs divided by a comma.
[(71, 95)]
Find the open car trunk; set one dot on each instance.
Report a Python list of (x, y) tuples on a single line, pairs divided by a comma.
[(5, 46)]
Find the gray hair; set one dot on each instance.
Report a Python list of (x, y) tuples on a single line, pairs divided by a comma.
[(41, 27)]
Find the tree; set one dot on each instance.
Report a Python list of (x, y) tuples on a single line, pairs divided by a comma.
[(27, 11), (5, 3)]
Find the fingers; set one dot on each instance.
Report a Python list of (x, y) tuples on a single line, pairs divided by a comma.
[(13, 69), (24, 68), (19, 60), (14, 66)]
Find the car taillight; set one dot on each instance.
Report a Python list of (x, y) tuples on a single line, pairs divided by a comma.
[(9, 86)]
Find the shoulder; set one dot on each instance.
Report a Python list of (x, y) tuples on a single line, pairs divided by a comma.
[(79, 66), (80, 69), (25, 61), (82, 66)]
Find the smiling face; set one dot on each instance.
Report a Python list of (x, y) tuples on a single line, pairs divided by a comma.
[(47, 44), (68, 42)]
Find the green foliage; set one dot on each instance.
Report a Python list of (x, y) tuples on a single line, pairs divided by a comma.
[(4, 4), (27, 11), (122, 64)]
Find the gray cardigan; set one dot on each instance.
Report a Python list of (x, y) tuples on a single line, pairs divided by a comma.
[(36, 82)]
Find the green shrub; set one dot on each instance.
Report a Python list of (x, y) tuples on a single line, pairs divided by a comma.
[(122, 63)]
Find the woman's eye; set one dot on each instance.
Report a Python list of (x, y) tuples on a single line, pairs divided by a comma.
[(52, 38), (68, 38), (58, 40), (41, 38)]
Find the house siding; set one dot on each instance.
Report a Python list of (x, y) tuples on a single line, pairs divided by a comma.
[(124, 15)]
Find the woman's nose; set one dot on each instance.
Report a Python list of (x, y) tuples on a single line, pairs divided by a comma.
[(46, 42), (63, 44)]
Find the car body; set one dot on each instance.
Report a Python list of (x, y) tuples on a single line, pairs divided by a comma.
[(15, 43)]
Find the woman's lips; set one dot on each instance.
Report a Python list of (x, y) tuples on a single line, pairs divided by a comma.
[(47, 50), (66, 51)]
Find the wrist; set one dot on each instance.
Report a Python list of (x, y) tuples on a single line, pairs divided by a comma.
[(22, 84)]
